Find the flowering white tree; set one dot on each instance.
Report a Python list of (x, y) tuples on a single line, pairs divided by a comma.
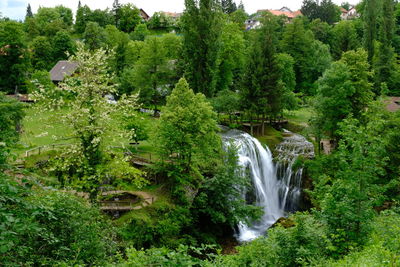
[(89, 116)]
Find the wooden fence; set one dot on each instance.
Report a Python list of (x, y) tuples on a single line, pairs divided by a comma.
[(38, 150)]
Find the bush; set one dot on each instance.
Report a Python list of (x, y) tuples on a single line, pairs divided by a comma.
[(295, 246), (160, 224), (44, 227)]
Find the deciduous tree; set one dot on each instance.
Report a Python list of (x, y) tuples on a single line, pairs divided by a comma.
[(14, 58), (187, 134)]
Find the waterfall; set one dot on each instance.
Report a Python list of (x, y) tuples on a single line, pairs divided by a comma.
[(276, 188)]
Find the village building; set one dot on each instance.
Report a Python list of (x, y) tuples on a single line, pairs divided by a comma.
[(254, 22), (144, 15), (62, 69), (392, 104), (173, 15), (284, 11), (349, 14)]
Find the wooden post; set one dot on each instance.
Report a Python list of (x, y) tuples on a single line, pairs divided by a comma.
[(40, 149)]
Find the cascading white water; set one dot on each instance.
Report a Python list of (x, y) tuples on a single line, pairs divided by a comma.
[(271, 193), (290, 177)]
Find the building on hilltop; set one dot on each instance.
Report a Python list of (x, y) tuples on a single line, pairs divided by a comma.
[(254, 22)]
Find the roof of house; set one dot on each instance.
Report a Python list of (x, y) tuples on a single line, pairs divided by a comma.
[(285, 9), (393, 104), (144, 15), (172, 14), (343, 10), (61, 69), (290, 15)]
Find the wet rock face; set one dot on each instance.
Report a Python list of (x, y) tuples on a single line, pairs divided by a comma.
[(276, 183), (294, 146), (289, 169)]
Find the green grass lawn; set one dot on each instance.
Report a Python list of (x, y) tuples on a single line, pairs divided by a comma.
[(300, 116), (271, 138), (41, 129), (46, 129)]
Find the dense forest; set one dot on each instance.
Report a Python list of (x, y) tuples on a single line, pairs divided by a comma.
[(122, 161)]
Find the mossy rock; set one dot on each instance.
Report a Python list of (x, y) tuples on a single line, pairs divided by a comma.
[(271, 138), (284, 222)]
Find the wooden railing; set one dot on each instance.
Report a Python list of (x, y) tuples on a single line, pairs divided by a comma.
[(41, 149)]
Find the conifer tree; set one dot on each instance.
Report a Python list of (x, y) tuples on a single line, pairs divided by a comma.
[(241, 6), (82, 18), (261, 88), (370, 26), (385, 62), (228, 6), (201, 27), (116, 11), (29, 13)]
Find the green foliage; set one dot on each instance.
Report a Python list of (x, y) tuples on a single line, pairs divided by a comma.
[(29, 13), (187, 132), (39, 80), (325, 10), (288, 81), (230, 61), (117, 40), (50, 228), (11, 115), (153, 73), (343, 90), (160, 20), (140, 128), (65, 14), (160, 224), (62, 46), (31, 28), (132, 53), (90, 118), (227, 102), (295, 246), (129, 18), (350, 188), (42, 51), (14, 59), (370, 27), (201, 28), (120, 173), (239, 17), (262, 89), (385, 61), (161, 257), (94, 36), (140, 32), (173, 45), (345, 38), (220, 202), (228, 6), (322, 31), (311, 57), (50, 20), (82, 18), (382, 248)]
